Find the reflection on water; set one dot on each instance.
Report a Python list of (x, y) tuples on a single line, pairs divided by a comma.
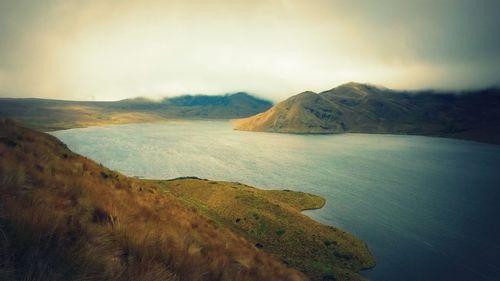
[(427, 207)]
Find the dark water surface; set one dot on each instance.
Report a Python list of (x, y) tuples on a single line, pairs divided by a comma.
[(427, 207)]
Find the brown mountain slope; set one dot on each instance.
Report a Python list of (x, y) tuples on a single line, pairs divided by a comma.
[(64, 217), (362, 108), (307, 112)]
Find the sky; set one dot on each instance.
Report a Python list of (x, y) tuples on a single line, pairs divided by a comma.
[(113, 49)]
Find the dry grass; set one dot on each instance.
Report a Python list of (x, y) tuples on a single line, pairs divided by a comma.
[(63, 217)]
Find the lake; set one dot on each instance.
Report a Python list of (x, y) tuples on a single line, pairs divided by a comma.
[(427, 207)]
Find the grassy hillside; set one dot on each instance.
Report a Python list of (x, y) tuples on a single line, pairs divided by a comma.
[(361, 108), (273, 222), (64, 217), (48, 115)]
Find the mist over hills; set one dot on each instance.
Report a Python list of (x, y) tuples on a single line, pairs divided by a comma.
[(221, 106), (49, 115), (351, 107), (362, 108)]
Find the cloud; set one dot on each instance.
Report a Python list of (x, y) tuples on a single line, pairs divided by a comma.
[(117, 49)]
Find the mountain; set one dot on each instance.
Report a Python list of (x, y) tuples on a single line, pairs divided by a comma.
[(49, 115), (65, 217), (362, 108), (195, 106)]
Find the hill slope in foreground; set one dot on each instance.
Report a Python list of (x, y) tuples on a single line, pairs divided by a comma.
[(361, 108), (48, 115), (64, 217)]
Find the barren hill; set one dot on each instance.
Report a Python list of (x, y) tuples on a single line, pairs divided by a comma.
[(362, 108)]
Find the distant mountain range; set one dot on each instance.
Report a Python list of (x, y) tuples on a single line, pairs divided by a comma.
[(199, 106), (49, 115), (362, 108)]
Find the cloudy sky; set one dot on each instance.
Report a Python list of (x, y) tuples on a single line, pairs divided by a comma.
[(109, 50)]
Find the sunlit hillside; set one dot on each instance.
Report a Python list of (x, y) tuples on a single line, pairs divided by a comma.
[(64, 217), (363, 108)]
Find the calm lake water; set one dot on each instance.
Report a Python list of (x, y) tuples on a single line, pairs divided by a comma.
[(427, 207)]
